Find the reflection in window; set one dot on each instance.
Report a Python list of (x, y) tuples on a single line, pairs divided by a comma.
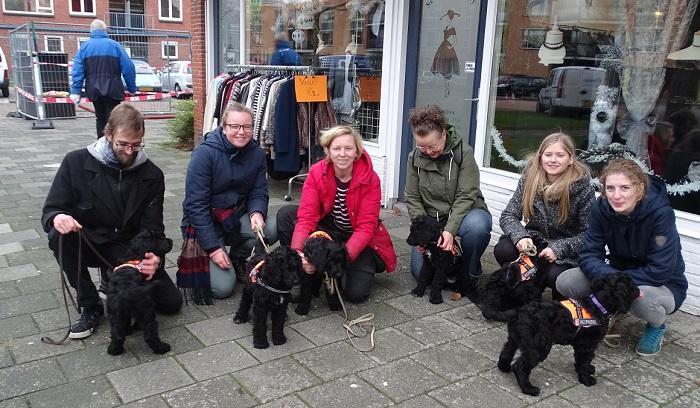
[(326, 27), (619, 83)]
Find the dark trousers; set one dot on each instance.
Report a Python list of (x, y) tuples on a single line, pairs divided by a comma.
[(359, 275), (505, 252), (166, 296), (103, 107)]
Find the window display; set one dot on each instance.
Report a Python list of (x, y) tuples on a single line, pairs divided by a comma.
[(627, 84)]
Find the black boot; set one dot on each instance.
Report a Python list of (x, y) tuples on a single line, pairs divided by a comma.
[(472, 290)]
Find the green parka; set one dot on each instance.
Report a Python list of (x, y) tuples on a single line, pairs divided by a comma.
[(447, 186)]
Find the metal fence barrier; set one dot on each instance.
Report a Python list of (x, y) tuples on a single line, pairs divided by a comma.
[(42, 59)]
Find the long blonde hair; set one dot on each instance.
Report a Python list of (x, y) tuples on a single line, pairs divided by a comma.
[(536, 180)]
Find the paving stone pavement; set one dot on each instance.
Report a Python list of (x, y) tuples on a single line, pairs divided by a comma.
[(426, 355)]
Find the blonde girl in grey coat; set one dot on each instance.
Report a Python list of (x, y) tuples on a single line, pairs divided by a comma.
[(553, 198)]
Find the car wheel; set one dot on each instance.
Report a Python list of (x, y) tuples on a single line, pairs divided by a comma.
[(539, 108), (553, 111)]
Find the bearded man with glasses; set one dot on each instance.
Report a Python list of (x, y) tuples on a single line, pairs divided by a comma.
[(109, 191), (225, 203)]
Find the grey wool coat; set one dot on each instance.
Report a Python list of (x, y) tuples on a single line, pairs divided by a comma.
[(564, 239)]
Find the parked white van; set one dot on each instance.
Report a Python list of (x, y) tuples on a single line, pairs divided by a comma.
[(4, 75), (570, 88)]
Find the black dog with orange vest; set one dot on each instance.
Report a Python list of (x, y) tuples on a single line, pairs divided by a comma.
[(583, 324)]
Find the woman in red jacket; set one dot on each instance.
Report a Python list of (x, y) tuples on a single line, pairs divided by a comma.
[(341, 195)]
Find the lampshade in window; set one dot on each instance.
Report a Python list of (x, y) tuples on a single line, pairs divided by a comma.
[(552, 50), (691, 52)]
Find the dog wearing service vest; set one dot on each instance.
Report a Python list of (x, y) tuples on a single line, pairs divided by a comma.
[(583, 324)]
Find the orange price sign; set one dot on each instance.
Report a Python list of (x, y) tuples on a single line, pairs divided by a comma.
[(310, 88), (370, 89)]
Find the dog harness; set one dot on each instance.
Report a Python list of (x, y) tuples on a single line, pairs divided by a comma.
[(257, 280), (581, 316), (134, 263), (525, 267)]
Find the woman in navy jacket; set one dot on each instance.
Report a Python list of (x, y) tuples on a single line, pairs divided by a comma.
[(634, 219)]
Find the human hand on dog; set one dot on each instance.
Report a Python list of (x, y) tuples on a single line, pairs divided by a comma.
[(524, 244), (220, 258), (64, 224), (149, 264), (420, 249), (446, 241), (548, 255), (307, 266)]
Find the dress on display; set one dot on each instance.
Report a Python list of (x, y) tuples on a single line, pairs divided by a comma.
[(445, 61)]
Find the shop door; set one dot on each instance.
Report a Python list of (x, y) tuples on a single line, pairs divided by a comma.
[(444, 67)]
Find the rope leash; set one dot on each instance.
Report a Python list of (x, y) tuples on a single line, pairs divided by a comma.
[(361, 322), (259, 233), (64, 285)]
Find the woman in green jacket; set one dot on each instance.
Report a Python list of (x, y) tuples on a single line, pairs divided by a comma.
[(443, 181)]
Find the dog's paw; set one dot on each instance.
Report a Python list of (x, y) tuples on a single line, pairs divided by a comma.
[(239, 319), (277, 340), (115, 349), (160, 348), (302, 309), (436, 298), (261, 344), (587, 380), (534, 391), (419, 292), (504, 366)]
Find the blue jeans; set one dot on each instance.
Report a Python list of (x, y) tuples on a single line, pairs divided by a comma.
[(474, 236), (223, 281)]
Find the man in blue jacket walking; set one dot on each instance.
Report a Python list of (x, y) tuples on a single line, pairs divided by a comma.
[(99, 66)]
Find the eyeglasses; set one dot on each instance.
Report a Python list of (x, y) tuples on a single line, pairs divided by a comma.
[(135, 147), (235, 127), (432, 148)]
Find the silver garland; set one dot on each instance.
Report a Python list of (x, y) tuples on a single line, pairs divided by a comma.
[(602, 154)]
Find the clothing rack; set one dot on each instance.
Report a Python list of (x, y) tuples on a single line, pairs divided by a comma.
[(304, 69)]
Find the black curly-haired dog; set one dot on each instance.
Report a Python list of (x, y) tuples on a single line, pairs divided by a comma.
[(129, 294), (539, 325), (439, 267), (267, 287), (508, 288), (328, 256)]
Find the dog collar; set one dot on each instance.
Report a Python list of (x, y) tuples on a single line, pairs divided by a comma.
[(581, 316), (599, 305), (270, 288), (321, 234), (136, 264)]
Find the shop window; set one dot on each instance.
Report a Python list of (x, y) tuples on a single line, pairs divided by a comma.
[(82, 7), (170, 10), (533, 38), (623, 80), (256, 30), (326, 27), (168, 50), (28, 6), (53, 43)]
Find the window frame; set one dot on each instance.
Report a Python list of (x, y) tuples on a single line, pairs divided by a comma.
[(327, 33), (49, 12), (48, 37), (523, 39), (166, 57), (169, 18), (82, 13)]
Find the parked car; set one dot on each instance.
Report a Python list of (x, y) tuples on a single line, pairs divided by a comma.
[(519, 85), (4, 75), (177, 76), (570, 88), (146, 80)]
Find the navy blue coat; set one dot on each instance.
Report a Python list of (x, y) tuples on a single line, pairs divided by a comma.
[(221, 176), (645, 244), (100, 64)]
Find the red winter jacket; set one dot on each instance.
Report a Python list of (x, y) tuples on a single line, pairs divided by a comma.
[(362, 201)]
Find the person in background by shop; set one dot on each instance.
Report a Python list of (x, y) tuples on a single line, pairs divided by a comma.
[(225, 203), (99, 67), (284, 54), (341, 196), (633, 230), (443, 181), (554, 197), (658, 146)]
